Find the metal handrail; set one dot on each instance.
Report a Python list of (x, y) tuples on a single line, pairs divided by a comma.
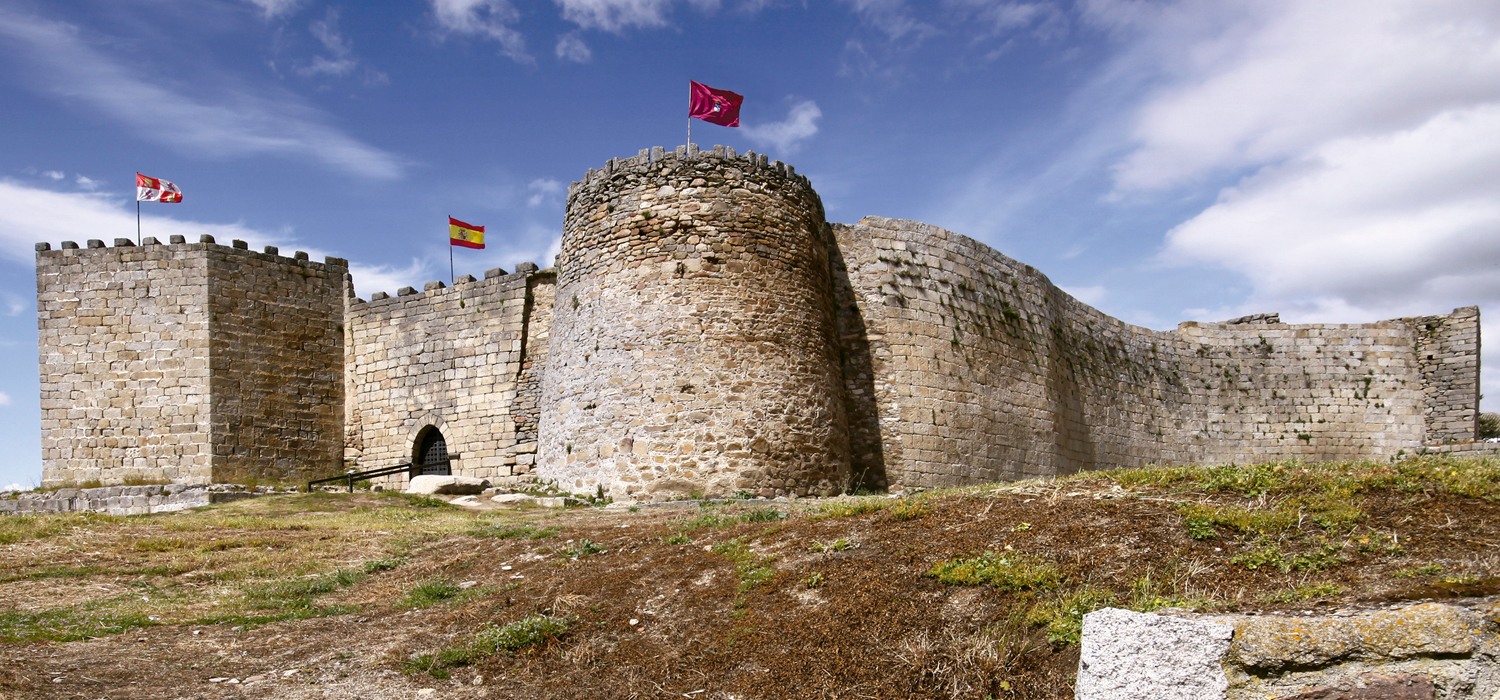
[(412, 471), (352, 477)]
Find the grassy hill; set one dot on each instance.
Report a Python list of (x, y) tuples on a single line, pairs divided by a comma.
[(968, 593)]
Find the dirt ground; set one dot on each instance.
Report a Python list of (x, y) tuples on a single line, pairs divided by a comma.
[(836, 600)]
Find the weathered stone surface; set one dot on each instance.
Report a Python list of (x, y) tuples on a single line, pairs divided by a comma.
[(1134, 656), (558, 502), (1274, 643), (1373, 686), (447, 485), (512, 498), (195, 363), (1422, 651)]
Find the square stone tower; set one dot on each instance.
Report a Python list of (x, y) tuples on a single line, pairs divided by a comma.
[(189, 363)]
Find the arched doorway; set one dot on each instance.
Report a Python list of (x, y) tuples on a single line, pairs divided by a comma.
[(431, 453)]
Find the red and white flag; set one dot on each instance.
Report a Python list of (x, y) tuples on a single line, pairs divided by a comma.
[(150, 189)]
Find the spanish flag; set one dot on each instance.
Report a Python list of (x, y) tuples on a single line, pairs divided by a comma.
[(466, 235)]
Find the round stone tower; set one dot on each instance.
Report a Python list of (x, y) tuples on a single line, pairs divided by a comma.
[(693, 345)]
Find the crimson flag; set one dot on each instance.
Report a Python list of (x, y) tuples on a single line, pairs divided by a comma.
[(714, 106)]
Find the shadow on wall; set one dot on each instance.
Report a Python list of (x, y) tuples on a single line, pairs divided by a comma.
[(866, 451)]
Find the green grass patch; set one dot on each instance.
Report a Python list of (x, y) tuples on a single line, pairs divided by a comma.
[(910, 508), (1007, 571), (68, 624), (751, 568), (429, 593), (505, 531), (1305, 592), (1062, 616), (489, 641), (1422, 571), (1270, 556), (851, 508)]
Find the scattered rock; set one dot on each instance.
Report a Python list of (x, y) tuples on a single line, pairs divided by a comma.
[(466, 501), (517, 498), (466, 585), (432, 484), (558, 502), (1128, 655)]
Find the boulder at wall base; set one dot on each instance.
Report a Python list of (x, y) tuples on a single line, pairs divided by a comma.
[(429, 484)]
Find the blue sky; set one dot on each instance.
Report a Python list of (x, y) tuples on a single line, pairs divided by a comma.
[(1164, 161)]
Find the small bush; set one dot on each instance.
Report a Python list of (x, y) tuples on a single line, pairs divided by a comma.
[(1489, 426), (679, 538), (585, 548), (837, 545), (1008, 572)]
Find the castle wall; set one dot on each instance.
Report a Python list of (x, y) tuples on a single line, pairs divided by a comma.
[(123, 338), (191, 363), (462, 359), (693, 344), (276, 364), (977, 368), (1447, 350)]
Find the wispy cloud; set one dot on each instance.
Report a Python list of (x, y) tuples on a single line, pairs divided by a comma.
[(234, 123), (86, 183), (489, 19), (787, 135), (340, 60), (543, 190), (14, 305), (616, 15), (276, 8), (570, 48), (55, 174)]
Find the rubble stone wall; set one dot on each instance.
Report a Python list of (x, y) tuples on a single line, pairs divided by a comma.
[(693, 344), (978, 368), (457, 358)]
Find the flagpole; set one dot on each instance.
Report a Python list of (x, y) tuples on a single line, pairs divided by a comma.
[(690, 118), (137, 221), (451, 275)]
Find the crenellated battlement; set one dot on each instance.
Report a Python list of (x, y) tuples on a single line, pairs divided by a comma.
[(641, 164), (206, 243)]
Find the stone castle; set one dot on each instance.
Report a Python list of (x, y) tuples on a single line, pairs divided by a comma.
[(704, 330)]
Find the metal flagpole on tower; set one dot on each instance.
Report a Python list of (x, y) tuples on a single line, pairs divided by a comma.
[(689, 144), (451, 276), (137, 221)]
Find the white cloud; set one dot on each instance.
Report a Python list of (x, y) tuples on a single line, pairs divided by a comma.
[(1257, 81), (1364, 136), (14, 305), (787, 135), (891, 17), (86, 183), (230, 124), (4, 400), (29, 215), (276, 8), (570, 47), (14, 487), (997, 18), (484, 18), (55, 174), (342, 59), (543, 189), (1092, 296), (616, 15), (388, 278)]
